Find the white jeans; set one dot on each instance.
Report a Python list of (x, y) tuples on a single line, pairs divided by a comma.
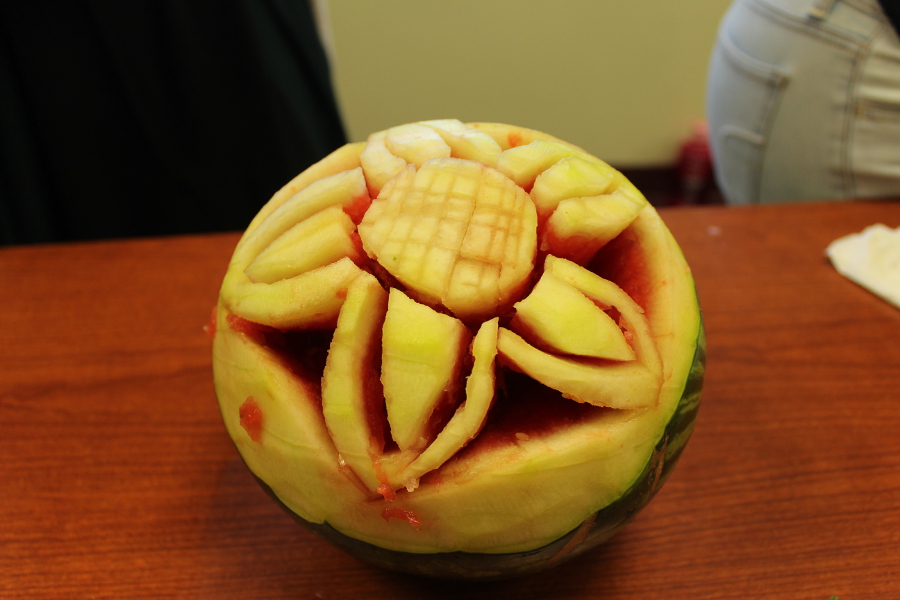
[(803, 101)]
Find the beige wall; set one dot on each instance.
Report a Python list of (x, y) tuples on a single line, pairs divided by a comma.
[(622, 78)]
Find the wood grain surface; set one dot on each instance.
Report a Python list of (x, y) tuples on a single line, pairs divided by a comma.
[(117, 479)]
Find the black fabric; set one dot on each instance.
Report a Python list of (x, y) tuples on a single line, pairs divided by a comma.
[(891, 8), (136, 118)]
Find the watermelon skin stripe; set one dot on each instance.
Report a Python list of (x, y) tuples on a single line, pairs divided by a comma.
[(682, 424), (597, 529)]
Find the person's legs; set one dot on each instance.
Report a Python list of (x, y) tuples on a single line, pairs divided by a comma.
[(784, 95), (875, 130)]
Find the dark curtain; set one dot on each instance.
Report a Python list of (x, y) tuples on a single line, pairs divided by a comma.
[(122, 118), (892, 10)]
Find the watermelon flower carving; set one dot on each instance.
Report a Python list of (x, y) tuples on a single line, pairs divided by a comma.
[(430, 320)]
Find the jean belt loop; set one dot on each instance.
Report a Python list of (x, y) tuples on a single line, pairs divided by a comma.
[(820, 9)]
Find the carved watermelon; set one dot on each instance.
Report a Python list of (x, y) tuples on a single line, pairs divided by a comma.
[(459, 350)]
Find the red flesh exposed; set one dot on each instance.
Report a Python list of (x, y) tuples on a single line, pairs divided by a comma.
[(251, 418), (398, 513)]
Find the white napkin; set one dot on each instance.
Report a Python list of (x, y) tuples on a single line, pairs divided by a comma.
[(871, 259)]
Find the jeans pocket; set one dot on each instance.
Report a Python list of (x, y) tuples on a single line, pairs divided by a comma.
[(875, 162), (741, 98)]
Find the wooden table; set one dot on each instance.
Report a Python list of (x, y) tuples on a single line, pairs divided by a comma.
[(117, 479)]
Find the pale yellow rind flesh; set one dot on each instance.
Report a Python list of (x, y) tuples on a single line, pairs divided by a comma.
[(557, 315), (466, 142), (350, 369), (574, 176), (341, 189), (469, 418), (310, 300), (345, 158), (605, 292), (416, 143), (317, 241), (621, 385), (378, 163), (523, 164), (295, 452), (510, 136), (579, 227), (421, 352), (633, 384)]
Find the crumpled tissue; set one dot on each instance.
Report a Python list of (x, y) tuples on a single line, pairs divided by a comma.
[(871, 259)]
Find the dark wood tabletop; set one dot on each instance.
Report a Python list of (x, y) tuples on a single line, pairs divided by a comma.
[(117, 479)]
